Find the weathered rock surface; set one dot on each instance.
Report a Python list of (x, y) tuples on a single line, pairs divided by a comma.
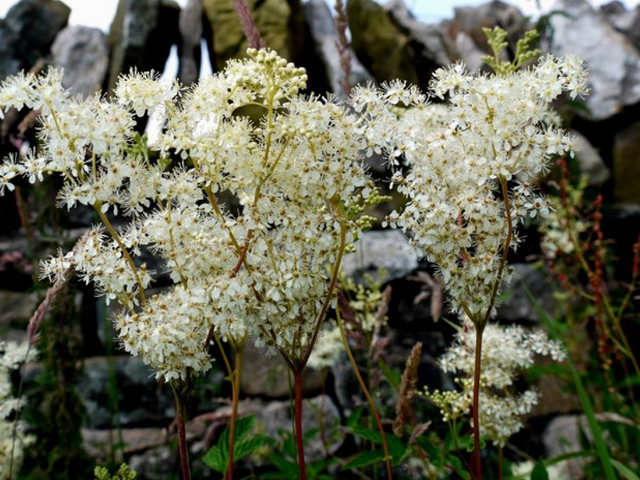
[(323, 30), (624, 20), (429, 38), (463, 35), (590, 161), (382, 249), (16, 308), (561, 436), (380, 45), (265, 374), (472, 20), (626, 166), (27, 32), (191, 31), (98, 443), (279, 22), (527, 280), (154, 464), (83, 53), (613, 62), (141, 36)]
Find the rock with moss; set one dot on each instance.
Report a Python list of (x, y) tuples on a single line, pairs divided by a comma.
[(279, 22), (382, 47)]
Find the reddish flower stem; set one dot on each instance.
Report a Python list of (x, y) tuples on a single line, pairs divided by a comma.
[(297, 379), (476, 460), (182, 436), (249, 26)]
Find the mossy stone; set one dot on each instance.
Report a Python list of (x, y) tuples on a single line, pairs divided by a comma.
[(382, 47), (274, 19)]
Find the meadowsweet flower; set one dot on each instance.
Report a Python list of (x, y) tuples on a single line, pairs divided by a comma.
[(506, 352), (292, 163), (494, 129)]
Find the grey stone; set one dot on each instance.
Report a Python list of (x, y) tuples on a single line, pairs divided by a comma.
[(83, 53), (382, 249), (16, 308), (428, 36), (562, 435), (27, 32), (154, 464), (266, 374), (465, 38), (623, 20), (323, 30), (142, 400), (97, 443), (613, 62), (626, 165), (469, 52), (527, 280), (191, 31), (590, 161), (141, 36)]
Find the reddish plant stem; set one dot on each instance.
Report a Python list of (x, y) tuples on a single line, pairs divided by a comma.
[(297, 381), (182, 436), (476, 461), (343, 46), (249, 26)]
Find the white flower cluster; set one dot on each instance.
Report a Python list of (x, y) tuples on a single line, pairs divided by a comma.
[(506, 352), (12, 356), (494, 136), (292, 163)]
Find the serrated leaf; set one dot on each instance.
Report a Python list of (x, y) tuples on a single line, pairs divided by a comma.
[(365, 459), (371, 435), (244, 426), (215, 459), (249, 446)]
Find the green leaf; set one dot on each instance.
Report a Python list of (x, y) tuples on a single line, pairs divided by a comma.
[(539, 472), (244, 426), (371, 435), (458, 467), (249, 446), (216, 459), (397, 449), (624, 471), (365, 459)]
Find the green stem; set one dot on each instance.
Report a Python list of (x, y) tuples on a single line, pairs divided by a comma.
[(123, 249), (363, 386), (235, 395)]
